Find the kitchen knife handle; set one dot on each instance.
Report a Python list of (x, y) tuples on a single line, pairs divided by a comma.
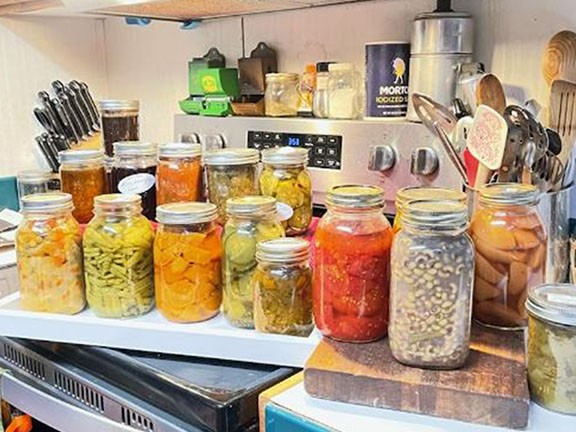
[(47, 153), (74, 121), (86, 106), (71, 133), (91, 104), (44, 98), (75, 106)]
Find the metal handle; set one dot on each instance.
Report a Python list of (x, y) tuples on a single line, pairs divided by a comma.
[(454, 157), (382, 158)]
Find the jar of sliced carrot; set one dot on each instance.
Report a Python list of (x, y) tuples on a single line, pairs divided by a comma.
[(179, 173), (187, 262)]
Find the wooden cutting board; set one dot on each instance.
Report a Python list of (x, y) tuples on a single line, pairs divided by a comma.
[(490, 389)]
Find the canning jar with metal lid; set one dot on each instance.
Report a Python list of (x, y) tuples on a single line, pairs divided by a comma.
[(552, 346), (179, 173), (431, 286), (119, 122), (188, 262), (31, 182), (118, 264), (251, 220), (134, 172), (510, 244), (352, 265), (285, 177), (281, 97), (83, 176), (231, 173), (49, 252), (283, 287)]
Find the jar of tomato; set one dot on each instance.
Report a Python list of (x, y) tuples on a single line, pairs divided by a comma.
[(510, 244), (352, 265), (179, 173)]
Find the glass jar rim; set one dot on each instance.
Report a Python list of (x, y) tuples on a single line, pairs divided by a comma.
[(239, 156), (282, 76), (134, 148), (118, 201), (435, 215), (179, 150), (251, 206), (81, 156), (340, 67), (355, 196), (47, 202), (34, 176), (285, 156), (186, 213), (427, 193), (509, 194), (286, 250), (554, 303), (119, 105)]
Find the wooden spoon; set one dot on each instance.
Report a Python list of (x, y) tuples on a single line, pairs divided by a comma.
[(490, 92), (559, 59)]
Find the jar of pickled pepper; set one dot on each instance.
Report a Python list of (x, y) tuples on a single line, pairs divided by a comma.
[(251, 220), (283, 287), (179, 173), (187, 262), (352, 265), (82, 175), (118, 264), (510, 244), (49, 254), (286, 178)]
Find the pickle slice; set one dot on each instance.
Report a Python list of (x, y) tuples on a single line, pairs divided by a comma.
[(240, 249)]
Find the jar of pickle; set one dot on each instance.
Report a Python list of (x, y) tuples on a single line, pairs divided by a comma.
[(510, 246), (251, 220), (286, 178), (119, 122), (49, 254), (231, 173), (352, 265), (431, 286), (82, 175), (283, 287), (552, 346), (281, 97), (188, 262), (118, 264), (179, 173), (134, 172)]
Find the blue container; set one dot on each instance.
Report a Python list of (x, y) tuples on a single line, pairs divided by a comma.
[(8, 193)]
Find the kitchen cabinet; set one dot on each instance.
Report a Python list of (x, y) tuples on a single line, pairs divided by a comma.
[(21, 6)]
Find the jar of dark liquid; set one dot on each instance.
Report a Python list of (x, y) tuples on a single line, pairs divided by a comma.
[(119, 122), (134, 172)]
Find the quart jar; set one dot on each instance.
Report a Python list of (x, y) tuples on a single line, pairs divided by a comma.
[(343, 91), (251, 220), (552, 346), (49, 252), (30, 182), (231, 173), (83, 176), (119, 122), (431, 286), (179, 173), (283, 287), (510, 244), (134, 172), (286, 178), (281, 97), (188, 262), (118, 264), (352, 265)]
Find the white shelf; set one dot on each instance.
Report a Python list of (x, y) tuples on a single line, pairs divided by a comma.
[(214, 338)]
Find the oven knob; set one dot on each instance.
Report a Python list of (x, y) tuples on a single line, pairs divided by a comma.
[(382, 158), (212, 142), (189, 137), (424, 161)]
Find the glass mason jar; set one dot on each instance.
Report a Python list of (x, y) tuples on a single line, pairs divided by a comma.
[(281, 97), (32, 182), (510, 246), (320, 98), (83, 176), (431, 286), (286, 178), (343, 91), (49, 252), (118, 262), (231, 173), (552, 346), (179, 173), (188, 262), (283, 287), (119, 122), (251, 220), (134, 172), (352, 265)]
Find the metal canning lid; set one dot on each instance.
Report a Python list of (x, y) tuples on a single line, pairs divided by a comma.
[(134, 148), (251, 206), (435, 214), (179, 150), (117, 201), (509, 194), (186, 213), (339, 67), (555, 303), (119, 105), (283, 250), (275, 77), (34, 176), (355, 196), (81, 156), (414, 193), (42, 202), (240, 156), (285, 156)]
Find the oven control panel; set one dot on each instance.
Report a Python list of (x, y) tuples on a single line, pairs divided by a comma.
[(325, 151)]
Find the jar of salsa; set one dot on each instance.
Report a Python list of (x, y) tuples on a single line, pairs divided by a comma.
[(134, 172), (179, 173), (82, 175), (352, 265), (119, 122)]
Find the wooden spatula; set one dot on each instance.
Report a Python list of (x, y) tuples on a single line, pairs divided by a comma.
[(562, 115), (559, 59)]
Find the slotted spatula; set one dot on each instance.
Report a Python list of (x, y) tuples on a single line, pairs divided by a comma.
[(563, 115)]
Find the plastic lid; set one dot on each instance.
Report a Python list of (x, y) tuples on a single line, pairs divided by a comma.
[(34, 176), (336, 67), (414, 193), (284, 250), (323, 66), (231, 157), (509, 194), (134, 148), (355, 196), (251, 206), (81, 156), (186, 213), (179, 150), (42, 202), (285, 156), (555, 303), (436, 215), (119, 105)]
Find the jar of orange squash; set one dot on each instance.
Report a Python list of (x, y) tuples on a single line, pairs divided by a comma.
[(179, 173), (187, 262)]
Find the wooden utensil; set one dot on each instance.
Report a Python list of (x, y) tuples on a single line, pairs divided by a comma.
[(562, 115), (490, 92), (559, 59)]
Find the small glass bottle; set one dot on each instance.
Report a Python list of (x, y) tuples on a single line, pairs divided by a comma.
[(320, 100), (343, 91), (119, 122), (431, 286), (283, 287), (32, 182), (49, 252), (179, 173), (281, 97), (83, 176), (306, 88)]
